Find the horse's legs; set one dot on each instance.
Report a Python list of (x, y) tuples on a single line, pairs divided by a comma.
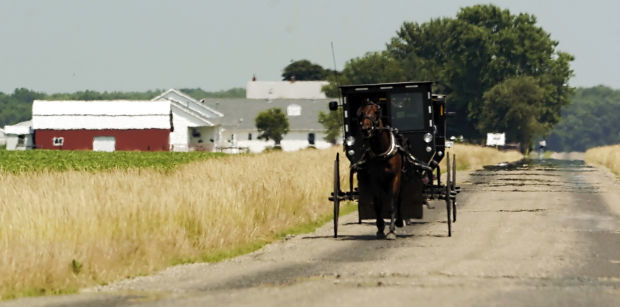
[(392, 199), (399, 216), (379, 215)]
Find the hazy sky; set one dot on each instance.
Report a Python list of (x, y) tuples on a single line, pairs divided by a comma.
[(124, 45)]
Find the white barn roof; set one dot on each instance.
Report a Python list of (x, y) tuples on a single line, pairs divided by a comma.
[(190, 106), (22, 128), (285, 90), (100, 114)]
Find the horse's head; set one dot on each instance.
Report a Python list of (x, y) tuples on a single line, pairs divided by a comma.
[(370, 118)]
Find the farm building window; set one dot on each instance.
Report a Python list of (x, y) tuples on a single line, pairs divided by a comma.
[(58, 141), (21, 140), (311, 138), (293, 110), (195, 133), (249, 136)]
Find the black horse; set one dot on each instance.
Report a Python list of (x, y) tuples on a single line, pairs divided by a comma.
[(382, 170)]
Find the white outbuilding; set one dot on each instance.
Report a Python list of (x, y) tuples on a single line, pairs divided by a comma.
[(2, 137), (19, 136), (194, 124)]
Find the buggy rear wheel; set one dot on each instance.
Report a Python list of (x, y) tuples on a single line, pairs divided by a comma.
[(453, 187), (447, 196), (336, 194)]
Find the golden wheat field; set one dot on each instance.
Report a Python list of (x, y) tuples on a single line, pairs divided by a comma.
[(60, 231), (607, 156)]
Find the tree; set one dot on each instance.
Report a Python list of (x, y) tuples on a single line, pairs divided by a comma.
[(515, 106), (17, 107), (332, 122), (467, 56), (272, 124), (373, 67), (304, 70)]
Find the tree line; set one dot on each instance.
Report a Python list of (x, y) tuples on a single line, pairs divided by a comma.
[(592, 119)]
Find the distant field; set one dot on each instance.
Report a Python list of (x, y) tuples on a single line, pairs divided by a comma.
[(90, 218), (64, 160), (607, 156)]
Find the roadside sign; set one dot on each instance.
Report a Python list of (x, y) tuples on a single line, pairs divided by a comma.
[(496, 139)]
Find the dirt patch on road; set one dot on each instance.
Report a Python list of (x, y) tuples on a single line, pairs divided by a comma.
[(573, 155)]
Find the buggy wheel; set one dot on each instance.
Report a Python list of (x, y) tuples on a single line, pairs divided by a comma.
[(336, 195), (447, 196), (351, 173), (453, 187)]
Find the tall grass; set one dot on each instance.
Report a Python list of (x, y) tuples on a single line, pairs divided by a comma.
[(62, 230), (607, 156)]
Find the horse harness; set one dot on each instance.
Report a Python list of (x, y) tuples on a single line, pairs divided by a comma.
[(394, 148)]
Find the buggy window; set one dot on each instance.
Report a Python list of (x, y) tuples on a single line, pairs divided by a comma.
[(407, 111)]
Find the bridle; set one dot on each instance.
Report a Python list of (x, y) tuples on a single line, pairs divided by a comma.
[(374, 120), (393, 148), (376, 125)]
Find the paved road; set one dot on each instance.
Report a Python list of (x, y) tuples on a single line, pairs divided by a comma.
[(534, 233)]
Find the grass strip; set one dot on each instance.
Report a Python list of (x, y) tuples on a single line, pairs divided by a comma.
[(607, 156), (26, 161)]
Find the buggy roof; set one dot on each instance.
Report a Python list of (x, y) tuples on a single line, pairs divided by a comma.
[(384, 86)]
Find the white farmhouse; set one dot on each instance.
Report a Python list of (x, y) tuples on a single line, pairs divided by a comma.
[(194, 125), (239, 129)]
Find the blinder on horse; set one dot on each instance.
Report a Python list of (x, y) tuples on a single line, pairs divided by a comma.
[(373, 117)]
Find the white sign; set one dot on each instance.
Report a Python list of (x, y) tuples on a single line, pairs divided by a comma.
[(496, 139)]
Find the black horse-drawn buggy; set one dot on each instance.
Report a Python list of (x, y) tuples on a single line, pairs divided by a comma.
[(394, 138)]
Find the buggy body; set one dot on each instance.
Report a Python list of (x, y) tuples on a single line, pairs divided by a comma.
[(417, 118)]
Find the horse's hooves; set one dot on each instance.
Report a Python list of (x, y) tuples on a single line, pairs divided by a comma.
[(399, 223), (380, 235), (391, 236)]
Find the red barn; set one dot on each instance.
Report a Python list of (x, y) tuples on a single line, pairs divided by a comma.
[(102, 125)]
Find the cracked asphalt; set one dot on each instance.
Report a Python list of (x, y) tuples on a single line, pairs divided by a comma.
[(537, 232)]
